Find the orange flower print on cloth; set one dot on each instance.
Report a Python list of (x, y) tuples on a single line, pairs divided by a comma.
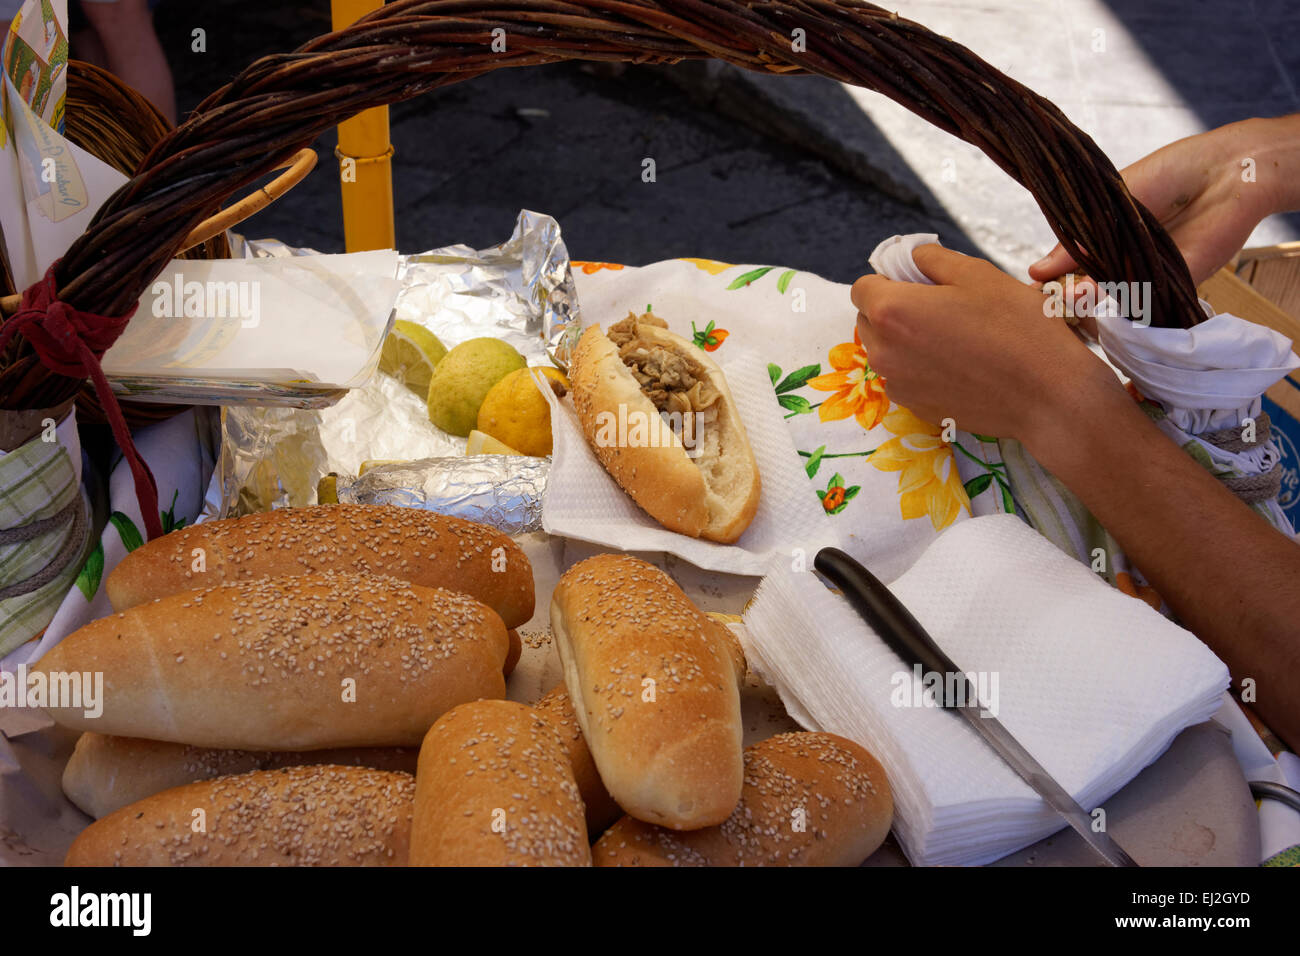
[(589, 267), (1124, 581), (710, 338), (928, 483), (836, 497), (859, 391)]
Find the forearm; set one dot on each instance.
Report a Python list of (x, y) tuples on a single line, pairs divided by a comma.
[(976, 346), (131, 46), (1276, 153), (1231, 578)]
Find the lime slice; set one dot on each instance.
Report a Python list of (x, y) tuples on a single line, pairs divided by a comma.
[(481, 444), (375, 463), (410, 354)]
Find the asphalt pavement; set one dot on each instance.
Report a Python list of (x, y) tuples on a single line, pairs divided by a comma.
[(1132, 74), (796, 171), (569, 140)]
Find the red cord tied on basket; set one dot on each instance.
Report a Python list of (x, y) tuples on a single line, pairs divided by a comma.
[(70, 342)]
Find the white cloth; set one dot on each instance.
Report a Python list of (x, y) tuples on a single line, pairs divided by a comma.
[(582, 501), (893, 257), (902, 485), (1092, 682), (1207, 377)]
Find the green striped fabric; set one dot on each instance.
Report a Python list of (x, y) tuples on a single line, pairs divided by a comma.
[(1054, 511), (1288, 857), (36, 481)]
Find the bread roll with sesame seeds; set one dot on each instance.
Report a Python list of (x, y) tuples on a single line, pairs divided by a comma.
[(600, 806), (302, 662), (514, 653), (295, 816), (810, 799), (494, 788), (655, 687), (711, 493), (107, 773), (428, 549)]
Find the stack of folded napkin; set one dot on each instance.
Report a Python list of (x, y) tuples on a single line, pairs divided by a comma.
[(1095, 684)]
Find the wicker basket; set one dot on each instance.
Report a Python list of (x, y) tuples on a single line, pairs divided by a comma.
[(114, 123), (281, 104)]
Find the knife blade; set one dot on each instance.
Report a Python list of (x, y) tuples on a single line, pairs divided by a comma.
[(896, 626)]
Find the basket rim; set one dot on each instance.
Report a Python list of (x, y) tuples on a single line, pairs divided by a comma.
[(281, 103)]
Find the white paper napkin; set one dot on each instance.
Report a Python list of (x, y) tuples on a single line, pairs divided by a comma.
[(1095, 684), (317, 319), (582, 501)]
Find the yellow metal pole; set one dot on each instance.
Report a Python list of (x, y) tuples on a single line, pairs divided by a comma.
[(364, 154)]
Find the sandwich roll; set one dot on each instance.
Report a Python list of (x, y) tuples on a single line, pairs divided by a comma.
[(600, 807), (630, 388), (431, 550), (655, 686), (514, 651), (810, 799), (297, 816), (726, 638), (494, 788), (107, 773), (292, 663)]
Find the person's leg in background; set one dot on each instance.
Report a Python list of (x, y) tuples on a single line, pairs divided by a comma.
[(130, 49), (83, 41)]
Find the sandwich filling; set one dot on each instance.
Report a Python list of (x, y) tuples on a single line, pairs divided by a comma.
[(678, 386)]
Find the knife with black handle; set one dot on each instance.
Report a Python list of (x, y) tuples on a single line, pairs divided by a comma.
[(896, 626)]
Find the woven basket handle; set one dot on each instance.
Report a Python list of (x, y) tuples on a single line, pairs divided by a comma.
[(280, 104), (296, 168)]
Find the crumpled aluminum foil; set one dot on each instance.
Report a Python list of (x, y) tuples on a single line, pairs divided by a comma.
[(521, 291), (504, 491)]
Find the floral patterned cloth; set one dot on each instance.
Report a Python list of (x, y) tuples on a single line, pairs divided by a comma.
[(890, 477), (892, 481)]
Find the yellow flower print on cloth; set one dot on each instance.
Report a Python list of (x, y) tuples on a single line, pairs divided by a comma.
[(859, 391), (711, 266), (929, 483)]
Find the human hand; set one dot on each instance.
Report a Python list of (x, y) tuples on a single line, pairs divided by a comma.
[(1196, 188), (978, 347)]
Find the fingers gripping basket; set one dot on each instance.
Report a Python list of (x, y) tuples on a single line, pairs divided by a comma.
[(281, 103)]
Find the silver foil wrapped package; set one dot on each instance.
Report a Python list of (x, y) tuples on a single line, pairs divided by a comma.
[(504, 491), (521, 291)]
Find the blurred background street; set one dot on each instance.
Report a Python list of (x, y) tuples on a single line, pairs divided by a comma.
[(799, 172)]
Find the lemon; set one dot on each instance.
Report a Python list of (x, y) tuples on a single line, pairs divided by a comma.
[(516, 412), (410, 354), (481, 444), (464, 377)]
